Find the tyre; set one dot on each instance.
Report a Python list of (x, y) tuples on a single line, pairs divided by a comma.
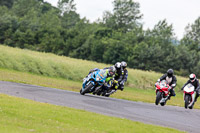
[(87, 88), (191, 107), (104, 93), (187, 100), (99, 93), (162, 104), (158, 97), (107, 95)]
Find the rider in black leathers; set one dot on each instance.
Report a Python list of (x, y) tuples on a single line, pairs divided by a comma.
[(195, 82), (124, 76), (118, 75), (171, 79)]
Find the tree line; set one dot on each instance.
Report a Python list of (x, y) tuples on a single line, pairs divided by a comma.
[(118, 35)]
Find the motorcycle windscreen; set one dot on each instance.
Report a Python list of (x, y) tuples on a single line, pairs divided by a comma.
[(189, 88)]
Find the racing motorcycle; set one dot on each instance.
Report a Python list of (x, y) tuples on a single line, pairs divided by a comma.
[(93, 82), (189, 96), (162, 92)]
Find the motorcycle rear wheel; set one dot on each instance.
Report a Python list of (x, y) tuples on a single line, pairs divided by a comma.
[(163, 104), (158, 97)]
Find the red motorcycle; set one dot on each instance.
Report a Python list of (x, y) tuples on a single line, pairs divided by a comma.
[(162, 92)]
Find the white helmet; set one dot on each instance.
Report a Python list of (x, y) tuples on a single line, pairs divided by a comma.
[(192, 77), (118, 65)]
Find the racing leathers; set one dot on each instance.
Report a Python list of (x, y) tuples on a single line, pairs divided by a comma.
[(196, 86), (172, 83), (108, 85), (118, 78), (124, 79)]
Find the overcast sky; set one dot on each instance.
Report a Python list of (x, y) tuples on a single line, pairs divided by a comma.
[(179, 13)]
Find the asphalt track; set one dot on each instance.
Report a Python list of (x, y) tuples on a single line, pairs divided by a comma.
[(167, 116)]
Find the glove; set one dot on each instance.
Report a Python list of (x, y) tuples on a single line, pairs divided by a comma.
[(170, 88), (156, 84), (115, 81)]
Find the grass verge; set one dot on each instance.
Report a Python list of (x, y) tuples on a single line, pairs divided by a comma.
[(21, 116), (51, 65)]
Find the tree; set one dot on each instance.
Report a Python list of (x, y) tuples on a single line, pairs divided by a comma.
[(66, 6), (22, 7), (70, 19), (192, 36), (125, 15), (7, 3), (114, 49), (8, 25)]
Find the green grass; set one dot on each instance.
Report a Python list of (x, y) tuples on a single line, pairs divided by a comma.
[(51, 65), (22, 116), (29, 78)]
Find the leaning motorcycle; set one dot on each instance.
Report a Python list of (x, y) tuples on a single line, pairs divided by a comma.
[(93, 81), (189, 96), (162, 92)]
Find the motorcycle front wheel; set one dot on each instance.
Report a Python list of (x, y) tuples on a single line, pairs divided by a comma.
[(87, 88), (158, 97), (187, 100)]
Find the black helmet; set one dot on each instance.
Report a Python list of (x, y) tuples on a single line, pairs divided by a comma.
[(123, 64), (111, 71), (118, 65), (170, 72), (192, 77)]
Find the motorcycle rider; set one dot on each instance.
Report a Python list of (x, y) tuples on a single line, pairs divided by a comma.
[(111, 72), (114, 83), (171, 80), (195, 82), (110, 77), (118, 75), (109, 80), (124, 76)]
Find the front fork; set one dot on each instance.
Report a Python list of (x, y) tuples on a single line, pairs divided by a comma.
[(164, 98), (192, 96)]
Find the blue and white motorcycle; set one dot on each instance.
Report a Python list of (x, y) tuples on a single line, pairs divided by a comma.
[(93, 80)]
